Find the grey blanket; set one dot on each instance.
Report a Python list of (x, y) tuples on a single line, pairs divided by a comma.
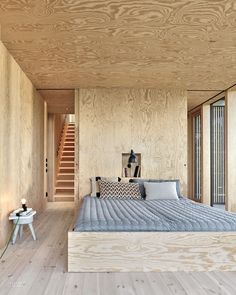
[(153, 215)]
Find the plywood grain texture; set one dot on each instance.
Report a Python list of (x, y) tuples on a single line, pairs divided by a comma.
[(51, 177), (45, 149), (59, 101), (206, 154), (103, 43), (196, 98), (190, 186), (21, 142), (151, 251), (114, 121), (59, 123), (41, 268), (230, 153)]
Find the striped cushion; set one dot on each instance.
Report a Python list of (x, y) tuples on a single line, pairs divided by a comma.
[(119, 190)]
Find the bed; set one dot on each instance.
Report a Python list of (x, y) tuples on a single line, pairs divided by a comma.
[(151, 235)]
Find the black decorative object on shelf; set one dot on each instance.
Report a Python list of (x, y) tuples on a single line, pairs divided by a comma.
[(131, 164), (132, 158), (137, 171)]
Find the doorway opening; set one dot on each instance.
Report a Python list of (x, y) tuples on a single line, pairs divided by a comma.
[(61, 157)]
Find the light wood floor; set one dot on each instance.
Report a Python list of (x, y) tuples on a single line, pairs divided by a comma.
[(40, 267)]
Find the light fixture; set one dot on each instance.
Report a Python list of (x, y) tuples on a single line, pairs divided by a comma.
[(23, 202), (132, 158)]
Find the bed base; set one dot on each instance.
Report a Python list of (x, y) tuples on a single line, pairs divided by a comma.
[(151, 251)]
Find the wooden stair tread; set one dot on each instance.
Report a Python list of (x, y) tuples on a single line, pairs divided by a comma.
[(65, 180), (68, 152), (63, 196), (62, 174), (73, 149), (64, 187), (67, 157), (64, 199)]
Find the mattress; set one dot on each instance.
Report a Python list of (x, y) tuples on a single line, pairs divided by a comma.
[(151, 215)]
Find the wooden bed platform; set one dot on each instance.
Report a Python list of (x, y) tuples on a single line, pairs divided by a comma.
[(151, 251)]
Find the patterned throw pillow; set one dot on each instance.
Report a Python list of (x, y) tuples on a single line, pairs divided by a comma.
[(95, 189), (119, 190)]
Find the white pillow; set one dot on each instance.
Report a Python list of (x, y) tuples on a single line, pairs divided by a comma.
[(161, 190)]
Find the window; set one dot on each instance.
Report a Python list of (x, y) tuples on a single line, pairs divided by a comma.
[(197, 157), (217, 153)]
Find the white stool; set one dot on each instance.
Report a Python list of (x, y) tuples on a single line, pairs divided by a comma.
[(20, 221)]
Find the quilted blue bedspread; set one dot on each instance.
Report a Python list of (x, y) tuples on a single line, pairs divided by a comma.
[(151, 215)]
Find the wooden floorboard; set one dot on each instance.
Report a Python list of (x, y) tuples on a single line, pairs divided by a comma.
[(40, 267)]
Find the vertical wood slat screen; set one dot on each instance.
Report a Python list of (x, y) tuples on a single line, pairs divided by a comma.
[(217, 155), (197, 157)]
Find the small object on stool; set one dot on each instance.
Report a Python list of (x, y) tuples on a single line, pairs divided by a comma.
[(23, 202)]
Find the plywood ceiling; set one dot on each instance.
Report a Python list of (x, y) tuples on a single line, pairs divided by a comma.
[(59, 101), (195, 98), (125, 43)]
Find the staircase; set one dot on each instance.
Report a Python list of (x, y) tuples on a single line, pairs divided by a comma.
[(64, 190)]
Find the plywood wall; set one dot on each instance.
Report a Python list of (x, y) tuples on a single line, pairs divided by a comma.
[(113, 121), (21, 142), (230, 150), (59, 125)]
